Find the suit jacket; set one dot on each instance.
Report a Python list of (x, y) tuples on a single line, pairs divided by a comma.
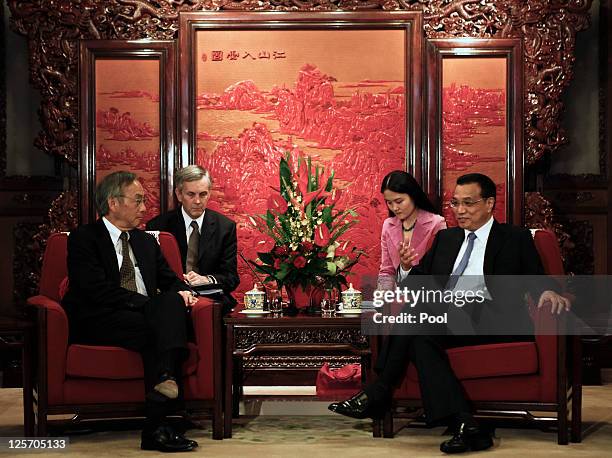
[(510, 251), (427, 226), (217, 248), (93, 272)]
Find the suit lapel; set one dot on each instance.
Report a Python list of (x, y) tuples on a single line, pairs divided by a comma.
[(456, 237), (107, 250), (177, 227), (209, 226), (494, 244)]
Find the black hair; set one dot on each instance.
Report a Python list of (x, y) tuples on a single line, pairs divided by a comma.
[(487, 187), (404, 183)]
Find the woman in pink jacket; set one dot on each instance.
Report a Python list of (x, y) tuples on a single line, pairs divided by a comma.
[(413, 222)]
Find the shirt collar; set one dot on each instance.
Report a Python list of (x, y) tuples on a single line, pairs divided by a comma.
[(188, 219), (113, 230), (482, 233)]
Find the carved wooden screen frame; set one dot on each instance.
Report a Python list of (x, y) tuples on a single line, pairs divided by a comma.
[(191, 23), (90, 51), (511, 50)]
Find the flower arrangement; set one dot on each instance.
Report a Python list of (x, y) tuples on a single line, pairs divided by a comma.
[(302, 229)]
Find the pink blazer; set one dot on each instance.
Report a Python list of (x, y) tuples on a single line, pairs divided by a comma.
[(428, 224)]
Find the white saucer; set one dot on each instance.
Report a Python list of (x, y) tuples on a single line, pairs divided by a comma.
[(350, 312), (254, 312)]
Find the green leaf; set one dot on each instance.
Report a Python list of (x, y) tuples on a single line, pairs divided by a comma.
[(331, 267), (266, 258), (330, 182), (270, 219), (285, 177)]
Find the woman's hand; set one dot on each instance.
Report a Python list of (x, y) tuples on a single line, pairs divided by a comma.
[(407, 256)]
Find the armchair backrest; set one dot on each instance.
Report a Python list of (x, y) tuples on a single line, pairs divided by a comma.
[(548, 248), (54, 267)]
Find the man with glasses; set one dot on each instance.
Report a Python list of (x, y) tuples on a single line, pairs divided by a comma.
[(206, 238), (122, 292), (460, 258)]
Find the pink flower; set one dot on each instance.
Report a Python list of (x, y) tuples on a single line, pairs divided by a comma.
[(335, 196), (265, 245), (302, 177), (308, 246), (277, 203), (299, 262), (322, 235), (344, 250)]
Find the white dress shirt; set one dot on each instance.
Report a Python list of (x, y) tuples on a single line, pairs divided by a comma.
[(115, 233), (472, 278)]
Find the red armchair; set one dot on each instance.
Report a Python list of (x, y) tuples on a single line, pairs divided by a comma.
[(95, 381), (516, 378)]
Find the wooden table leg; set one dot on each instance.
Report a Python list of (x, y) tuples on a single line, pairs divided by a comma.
[(229, 377), (28, 396)]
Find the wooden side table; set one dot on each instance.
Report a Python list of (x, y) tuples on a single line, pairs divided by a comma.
[(278, 335), (20, 333)]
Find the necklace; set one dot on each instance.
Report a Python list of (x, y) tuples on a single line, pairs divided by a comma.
[(408, 229)]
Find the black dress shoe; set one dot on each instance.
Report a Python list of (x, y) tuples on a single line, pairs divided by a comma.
[(359, 406), (165, 439), (467, 438)]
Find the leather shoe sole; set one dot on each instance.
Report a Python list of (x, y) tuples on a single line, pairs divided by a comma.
[(167, 447), (468, 442)]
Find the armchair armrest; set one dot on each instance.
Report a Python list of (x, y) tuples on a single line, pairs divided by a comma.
[(52, 330)]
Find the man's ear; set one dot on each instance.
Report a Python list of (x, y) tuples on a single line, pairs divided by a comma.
[(112, 203), (178, 195)]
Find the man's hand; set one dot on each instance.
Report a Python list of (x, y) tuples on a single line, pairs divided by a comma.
[(407, 256), (558, 302), (195, 279), (188, 297)]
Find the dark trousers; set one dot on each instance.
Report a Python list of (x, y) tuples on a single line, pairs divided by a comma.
[(441, 392), (158, 332)]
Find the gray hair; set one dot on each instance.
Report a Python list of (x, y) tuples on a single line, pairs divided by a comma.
[(191, 173), (112, 187)]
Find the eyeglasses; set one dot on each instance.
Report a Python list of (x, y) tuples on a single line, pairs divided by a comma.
[(466, 203), (137, 200)]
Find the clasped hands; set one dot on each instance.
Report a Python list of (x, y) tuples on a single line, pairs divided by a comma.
[(192, 279)]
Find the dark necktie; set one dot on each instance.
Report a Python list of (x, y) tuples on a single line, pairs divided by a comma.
[(193, 249), (454, 278), (127, 271)]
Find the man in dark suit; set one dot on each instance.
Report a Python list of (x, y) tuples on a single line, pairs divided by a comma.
[(465, 257), (122, 292), (207, 239)]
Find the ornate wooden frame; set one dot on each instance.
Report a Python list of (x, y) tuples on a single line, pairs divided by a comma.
[(511, 50), (191, 23), (90, 51)]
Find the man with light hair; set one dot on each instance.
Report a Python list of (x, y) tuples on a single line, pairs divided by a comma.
[(206, 238)]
